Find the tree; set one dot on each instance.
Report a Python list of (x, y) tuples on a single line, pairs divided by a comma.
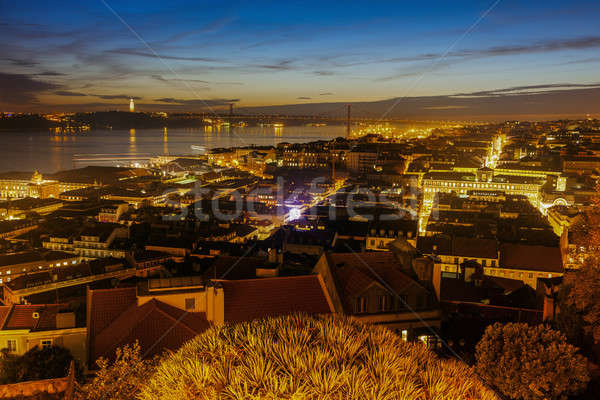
[(583, 297), (121, 379), (37, 364), (8, 367), (583, 285), (303, 357), (530, 362), (46, 363)]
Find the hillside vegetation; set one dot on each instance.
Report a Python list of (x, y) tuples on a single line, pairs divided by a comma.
[(302, 357)]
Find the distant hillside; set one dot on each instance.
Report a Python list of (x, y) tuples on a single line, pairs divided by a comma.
[(491, 105)]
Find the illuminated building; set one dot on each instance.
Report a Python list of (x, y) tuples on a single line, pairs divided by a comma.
[(302, 156), (372, 288), (41, 326), (484, 180), (131, 106), (19, 185), (361, 159), (383, 233), (581, 165), (16, 264), (94, 242), (523, 262), (527, 170)]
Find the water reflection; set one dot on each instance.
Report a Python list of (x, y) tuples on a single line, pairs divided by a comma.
[(165, 141), (132, 140), (26, 151)]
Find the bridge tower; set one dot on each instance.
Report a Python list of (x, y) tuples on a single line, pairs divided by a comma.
[(348, 106)]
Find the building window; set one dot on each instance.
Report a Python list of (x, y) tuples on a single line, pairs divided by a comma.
[(385, 303), (420, 302), (11, 345), (362, 305), (190, 304), (493, 263), (46, 343), (428, 340)]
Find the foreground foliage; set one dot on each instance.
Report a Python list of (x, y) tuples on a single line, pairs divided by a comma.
[(121, 379), (583, 288), (301, 357), (38, 363), (583, 285), (530, 362)]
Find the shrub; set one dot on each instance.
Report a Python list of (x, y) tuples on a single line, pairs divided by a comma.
[(530, 362), (302, 357), (37, 364), (121, 379)]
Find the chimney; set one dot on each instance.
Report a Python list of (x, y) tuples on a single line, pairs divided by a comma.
[(267, 272), (548, 308), (65, 320), (215, 303), (437, 279), (549, 303)]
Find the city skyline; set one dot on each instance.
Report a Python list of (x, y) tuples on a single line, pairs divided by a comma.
[(489, 59)]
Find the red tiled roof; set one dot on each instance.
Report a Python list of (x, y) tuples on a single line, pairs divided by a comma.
[(4, 311), (155, 325), (459, 247), (103, 307), (354, 272), (234, 268), (268, 297), (21, 316), (108, 304), (475, 247), (531, 258)]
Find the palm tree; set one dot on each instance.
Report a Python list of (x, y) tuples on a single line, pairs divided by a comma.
[(306, 357)]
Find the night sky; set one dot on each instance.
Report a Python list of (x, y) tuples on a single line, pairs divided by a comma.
[(82, 55)]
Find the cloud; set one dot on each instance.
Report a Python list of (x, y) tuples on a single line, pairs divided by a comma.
[(167, 80), (303, 98), (116, 96), (68, 93), (21, 88), (211, 27), (163, 79), (544, 46), (326, 94), (418, 70), (229, 83), (197, 102), (21, 62), (281, 65), (527, 89), (324, 73), (444, 107), (582, 61), (132, 52), (580, 43), (438, 61), (49, 73)]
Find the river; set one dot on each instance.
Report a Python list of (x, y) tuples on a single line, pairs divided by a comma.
[(47, 152)]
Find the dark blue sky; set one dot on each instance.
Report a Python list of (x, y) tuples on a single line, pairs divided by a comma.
[(280, 52)]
